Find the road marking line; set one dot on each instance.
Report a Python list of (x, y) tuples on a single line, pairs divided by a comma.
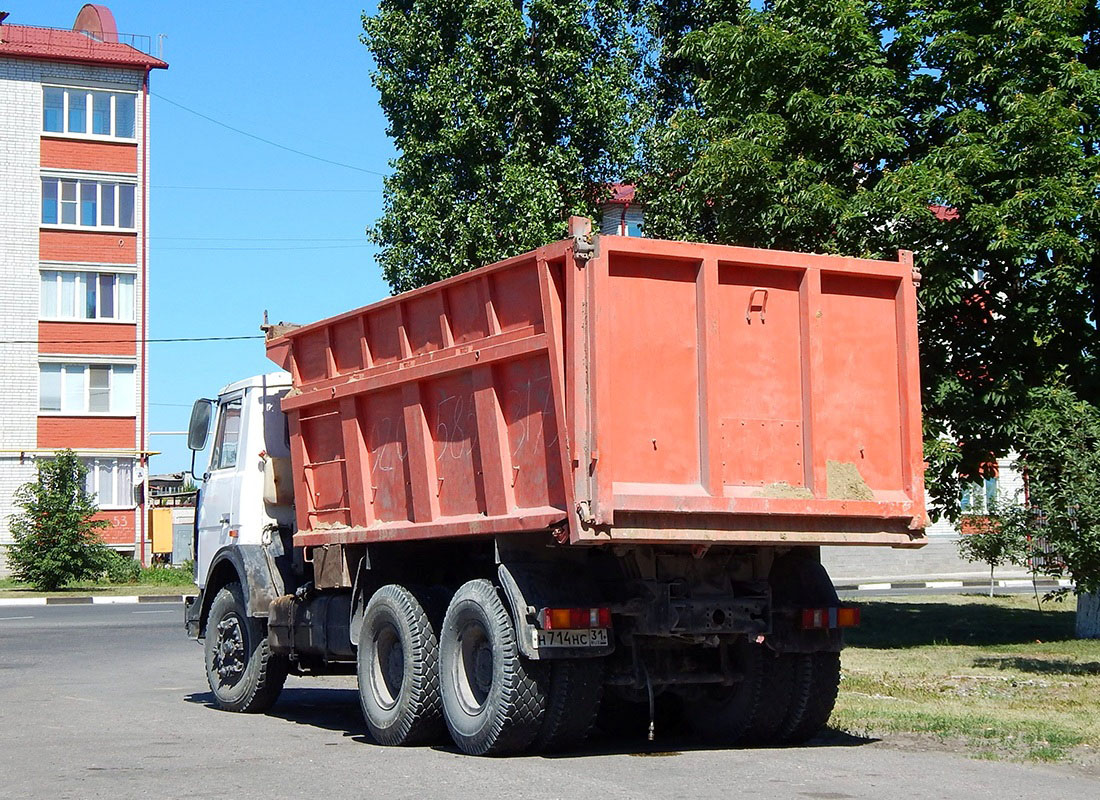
[(152, 612), (4, 618)]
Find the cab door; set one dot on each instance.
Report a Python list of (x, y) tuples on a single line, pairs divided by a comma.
[(219, 512)]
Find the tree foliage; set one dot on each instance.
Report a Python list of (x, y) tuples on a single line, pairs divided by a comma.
[(966, 132), (54, 536), (1000, 107), (997, 540), (1059, 437), (508, 116), (963, 131)]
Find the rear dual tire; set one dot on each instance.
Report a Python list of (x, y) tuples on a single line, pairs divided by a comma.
[(782, 699), (494, 700), (397, 664)]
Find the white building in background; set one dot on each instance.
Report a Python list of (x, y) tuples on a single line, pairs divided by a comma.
[(74, 136)]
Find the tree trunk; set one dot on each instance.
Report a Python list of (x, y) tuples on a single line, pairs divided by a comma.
[(1088, 616)]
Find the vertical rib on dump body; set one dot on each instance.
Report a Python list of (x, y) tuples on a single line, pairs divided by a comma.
[(617, 389)]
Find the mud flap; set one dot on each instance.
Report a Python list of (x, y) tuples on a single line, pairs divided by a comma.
[(531, 587)]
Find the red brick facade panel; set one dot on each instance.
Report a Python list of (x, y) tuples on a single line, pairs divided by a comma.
[(93, 338), (123, 526), (87, 432), (94, 156), (88, 247)]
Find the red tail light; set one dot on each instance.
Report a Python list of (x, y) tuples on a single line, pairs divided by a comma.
[(815, 619), (556, 619)]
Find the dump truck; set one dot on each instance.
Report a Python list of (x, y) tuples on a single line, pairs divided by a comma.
[(590, 481)]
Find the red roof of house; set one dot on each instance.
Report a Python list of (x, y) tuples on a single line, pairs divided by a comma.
[(944, 213), (54, 44), (621, 194)]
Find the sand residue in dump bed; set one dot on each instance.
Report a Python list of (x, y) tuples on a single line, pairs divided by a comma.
[(782, 489), (845, 482)]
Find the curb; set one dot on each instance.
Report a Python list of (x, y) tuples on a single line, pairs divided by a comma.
[(1003, 583), (106, 600)]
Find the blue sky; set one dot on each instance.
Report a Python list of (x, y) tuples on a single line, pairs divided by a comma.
[(294, 73)]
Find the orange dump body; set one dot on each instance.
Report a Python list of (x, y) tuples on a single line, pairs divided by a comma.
[(647, 391)]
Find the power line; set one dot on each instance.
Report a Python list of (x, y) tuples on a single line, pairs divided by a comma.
[(264, 189), (128, 341), (252, 239), (268, 141), (245, 249)]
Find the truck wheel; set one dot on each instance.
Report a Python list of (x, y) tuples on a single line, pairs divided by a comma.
[(398, 669), (493, 699), (576, 685), (726, 715), (243, 673), (777, 690), (817, 680)]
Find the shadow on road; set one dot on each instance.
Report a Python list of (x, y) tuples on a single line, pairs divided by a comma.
[(338, 710), (898, 624)]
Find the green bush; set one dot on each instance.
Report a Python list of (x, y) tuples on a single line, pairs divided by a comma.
[(168, 575), (118, 568), (55, 536)]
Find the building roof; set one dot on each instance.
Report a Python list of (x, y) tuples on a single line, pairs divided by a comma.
[(622, 194), (944, 213), (94, 38)]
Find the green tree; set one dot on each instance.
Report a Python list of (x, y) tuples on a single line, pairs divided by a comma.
[(790, 122), (55, 540), (996, 541), (1000, 107), (1059, 440), (963, 131), (508, 116)]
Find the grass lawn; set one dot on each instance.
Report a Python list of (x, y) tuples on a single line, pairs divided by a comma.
[(152, 581), (995, 678)]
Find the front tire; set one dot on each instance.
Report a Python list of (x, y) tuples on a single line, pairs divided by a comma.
[(493, 699), (398, 669), (243, 673)]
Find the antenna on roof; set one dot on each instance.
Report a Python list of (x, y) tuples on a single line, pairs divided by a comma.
[(4, 15)]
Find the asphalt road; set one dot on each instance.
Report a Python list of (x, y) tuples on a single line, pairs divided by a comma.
[(111, 702)]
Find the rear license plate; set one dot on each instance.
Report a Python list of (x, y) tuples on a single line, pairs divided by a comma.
[(594, 637)]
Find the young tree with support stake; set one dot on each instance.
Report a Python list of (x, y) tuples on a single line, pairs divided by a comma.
[(56, 540), (994, 543)]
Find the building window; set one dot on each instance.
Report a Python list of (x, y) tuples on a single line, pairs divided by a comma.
[(106, 389), (87, 203), (89, 112), (87, 295), (979, 498), (111, 481)]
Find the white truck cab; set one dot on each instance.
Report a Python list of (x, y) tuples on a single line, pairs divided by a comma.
[(246, 492)]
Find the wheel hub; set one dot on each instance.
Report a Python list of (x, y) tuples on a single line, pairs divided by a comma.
[(229, 651), (473, 668)]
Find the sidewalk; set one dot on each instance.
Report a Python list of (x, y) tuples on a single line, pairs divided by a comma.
[(87, 600)]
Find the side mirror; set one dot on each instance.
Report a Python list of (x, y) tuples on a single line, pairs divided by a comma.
[(198, 430)]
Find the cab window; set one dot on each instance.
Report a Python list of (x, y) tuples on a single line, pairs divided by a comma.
[(224, 454)]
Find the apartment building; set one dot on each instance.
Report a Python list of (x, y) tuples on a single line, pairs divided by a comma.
[(74, 155)]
